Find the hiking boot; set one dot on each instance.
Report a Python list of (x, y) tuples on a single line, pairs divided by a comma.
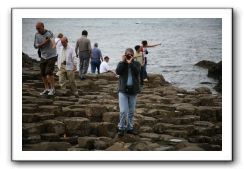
[(121, 133), (51, 92), (132, 132), (82, 78), (45, 92)]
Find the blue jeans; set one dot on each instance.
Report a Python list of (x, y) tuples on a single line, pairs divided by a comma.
[(95, 64), (127, 104)]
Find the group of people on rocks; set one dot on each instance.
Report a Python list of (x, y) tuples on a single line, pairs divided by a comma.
[(131, 70)]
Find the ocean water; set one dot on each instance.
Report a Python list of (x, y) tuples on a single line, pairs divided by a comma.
[(184, 43)]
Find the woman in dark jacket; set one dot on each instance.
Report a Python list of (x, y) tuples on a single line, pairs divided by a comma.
[(129, 86)]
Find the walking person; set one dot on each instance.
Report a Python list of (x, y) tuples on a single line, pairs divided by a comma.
[(145, 53), (67, 66), (44, 41), (129, 86), (83, 50), (96, 59)]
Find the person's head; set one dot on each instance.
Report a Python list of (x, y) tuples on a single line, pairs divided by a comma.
[(40, 27), (84, 33), (144, 43), (106, 58), (64, 41), (95, 45), (137, 48), (60, 35), (129, 52)]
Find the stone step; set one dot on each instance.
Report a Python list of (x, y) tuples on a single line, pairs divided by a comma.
[(50, 137), (30, 118)]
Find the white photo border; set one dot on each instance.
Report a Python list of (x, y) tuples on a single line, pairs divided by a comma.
[(227, 137)]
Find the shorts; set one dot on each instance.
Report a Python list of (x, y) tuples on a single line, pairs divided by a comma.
[(47, 66)]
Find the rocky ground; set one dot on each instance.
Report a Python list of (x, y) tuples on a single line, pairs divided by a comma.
[(214, 71), (167, 118)]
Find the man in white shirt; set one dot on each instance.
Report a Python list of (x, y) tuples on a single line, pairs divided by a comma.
[(104, 67), (67, 66)]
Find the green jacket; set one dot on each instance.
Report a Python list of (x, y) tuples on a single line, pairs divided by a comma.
[(122, 71)]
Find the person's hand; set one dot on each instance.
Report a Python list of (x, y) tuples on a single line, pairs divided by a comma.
[(123, 58), (74, 68), (129, 60)]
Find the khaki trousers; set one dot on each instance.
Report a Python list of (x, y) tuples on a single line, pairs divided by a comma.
[(69, 75)]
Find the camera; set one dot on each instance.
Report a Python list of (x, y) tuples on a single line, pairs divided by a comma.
[(128, 57)]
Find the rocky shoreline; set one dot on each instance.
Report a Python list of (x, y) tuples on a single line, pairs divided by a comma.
[(167, 118)]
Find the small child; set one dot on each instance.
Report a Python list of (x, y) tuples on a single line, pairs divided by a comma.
[(138, 56)]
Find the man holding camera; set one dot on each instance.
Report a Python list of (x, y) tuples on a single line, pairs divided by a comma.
[(44, 41), (129, 86), (67, 66)]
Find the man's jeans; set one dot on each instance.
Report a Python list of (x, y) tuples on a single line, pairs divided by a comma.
[(127, 104), (95, 64)]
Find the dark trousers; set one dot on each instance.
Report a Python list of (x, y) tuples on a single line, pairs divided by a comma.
[(95, 64)]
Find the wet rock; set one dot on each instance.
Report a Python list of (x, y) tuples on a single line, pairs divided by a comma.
[(177, 133), (146, 129), (185, 119), (95, 112), (50, 137), (200, 139), (206, 64), (27, 61), (62, 103), (32, 129), (161, 127), (29, 118), (152, 136), (212, 114), (164, 148), (203, 90), (118, 146), (86, 142), (51, 146), (186, 108), (191, 148), (54, 126), (107, 129), (45, 116), (210, 147), (129, 138), (144, 146), (32, 139), (77, 126), (166, 117), (75, 112), (112, 117), (49, 109), (215, 71), (148, 120)]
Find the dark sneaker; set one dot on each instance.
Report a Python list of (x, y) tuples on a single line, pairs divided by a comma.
[(132, 132), (82, 78), (121, 133)]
